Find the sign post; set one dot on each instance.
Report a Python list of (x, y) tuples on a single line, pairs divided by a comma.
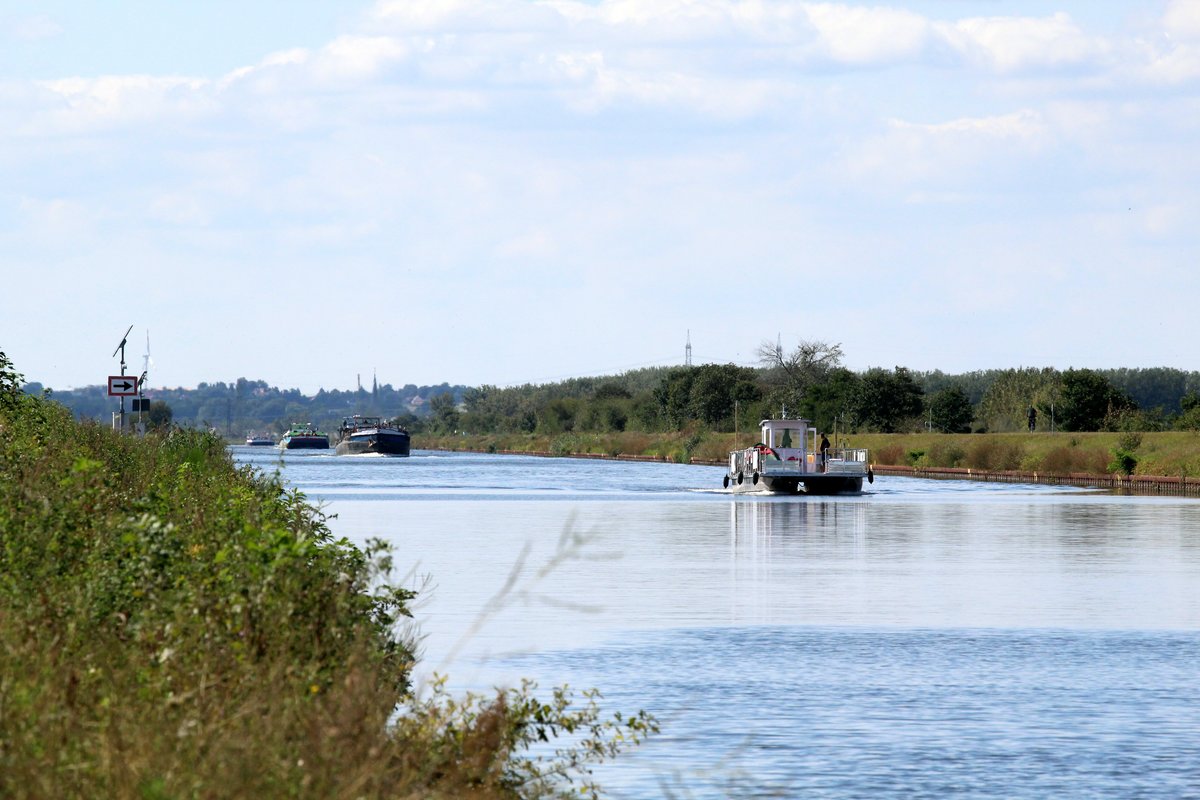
[(119, 385)]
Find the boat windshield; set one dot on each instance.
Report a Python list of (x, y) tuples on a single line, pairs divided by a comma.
[(785, 436)]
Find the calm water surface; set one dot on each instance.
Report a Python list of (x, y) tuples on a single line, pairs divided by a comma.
[(923, 639)]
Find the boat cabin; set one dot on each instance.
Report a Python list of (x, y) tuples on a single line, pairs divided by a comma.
[(790, 444), (786, 446), (357, 422), (789, 437)]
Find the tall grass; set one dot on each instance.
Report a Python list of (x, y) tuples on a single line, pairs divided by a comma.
[(174, 626)]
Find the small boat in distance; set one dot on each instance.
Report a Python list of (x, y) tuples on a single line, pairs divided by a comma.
[(303, 436), (788, 460), (260, 440), (359, 435)]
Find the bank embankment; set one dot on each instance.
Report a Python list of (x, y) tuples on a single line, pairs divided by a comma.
[(1153, 463)]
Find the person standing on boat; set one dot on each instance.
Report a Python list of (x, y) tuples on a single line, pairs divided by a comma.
[(824, 451)]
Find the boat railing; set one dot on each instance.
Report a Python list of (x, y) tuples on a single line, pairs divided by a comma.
[(839, 460), (846, 460)]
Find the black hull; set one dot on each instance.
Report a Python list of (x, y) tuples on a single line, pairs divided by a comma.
[(810, 484), (386, 444), (306, 444)]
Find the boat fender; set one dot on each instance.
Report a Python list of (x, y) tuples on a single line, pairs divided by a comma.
[(756, 479), (739, 479), (870, 476), (725, 482)]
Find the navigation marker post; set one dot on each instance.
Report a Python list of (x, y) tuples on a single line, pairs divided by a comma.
[(125, 387)]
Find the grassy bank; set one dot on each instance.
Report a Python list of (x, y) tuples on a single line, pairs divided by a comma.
[(1172, 453), (174, 626)]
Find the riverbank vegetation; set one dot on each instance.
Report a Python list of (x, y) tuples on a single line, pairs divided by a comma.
[(1128, 421), (809, 380), (700, 411), (1166, 453), (172, 625)]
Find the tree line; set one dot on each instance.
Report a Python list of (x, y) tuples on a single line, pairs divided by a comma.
[(241, 406), (810, 381)]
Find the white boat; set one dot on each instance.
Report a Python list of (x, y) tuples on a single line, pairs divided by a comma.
[(260, 440), (789, 460)]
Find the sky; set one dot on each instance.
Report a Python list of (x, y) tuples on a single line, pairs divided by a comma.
[(520, 191)]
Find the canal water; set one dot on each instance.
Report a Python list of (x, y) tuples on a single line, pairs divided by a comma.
[(922, 639)]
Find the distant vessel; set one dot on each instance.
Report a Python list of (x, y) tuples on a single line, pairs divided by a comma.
[(788, 460), (360, 435), (304, 437), (260, 440)]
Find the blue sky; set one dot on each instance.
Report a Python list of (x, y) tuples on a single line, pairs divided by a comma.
[(507, 191)]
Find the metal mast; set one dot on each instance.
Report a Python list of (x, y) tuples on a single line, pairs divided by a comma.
[(687, 358), (121, 349)]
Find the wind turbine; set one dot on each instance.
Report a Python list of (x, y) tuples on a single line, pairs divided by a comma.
[(146, 362)]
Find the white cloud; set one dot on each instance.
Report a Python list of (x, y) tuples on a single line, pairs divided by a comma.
[(1173, 57), (1011, 44), (37, 27), (358, 58), (1182, 19), (853, 35), (720, 59), (538, 244), (605, 144), (954, 152), (98, 103), (178, 208), (464, 16), (57, 221)]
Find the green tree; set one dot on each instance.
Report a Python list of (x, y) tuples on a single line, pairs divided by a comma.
[(1189, 419), (831, 403), (159, 416), (707, 393), (795, 373), (558, 415), (1005, 403), (1151, 387), (1088, 399), (444, 413), (887, 400), (716, 390), (673, 396), (950, 410)]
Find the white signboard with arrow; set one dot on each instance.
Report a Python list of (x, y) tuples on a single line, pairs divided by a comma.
[(122, 386)]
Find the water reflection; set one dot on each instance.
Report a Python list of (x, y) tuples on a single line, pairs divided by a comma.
[(782, 517)]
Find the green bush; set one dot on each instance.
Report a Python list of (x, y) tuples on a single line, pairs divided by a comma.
[(941, 454), (172, 625), (992, 454), (1124, 460)]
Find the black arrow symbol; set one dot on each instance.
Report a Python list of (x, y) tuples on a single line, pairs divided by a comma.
[(123, 385)]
